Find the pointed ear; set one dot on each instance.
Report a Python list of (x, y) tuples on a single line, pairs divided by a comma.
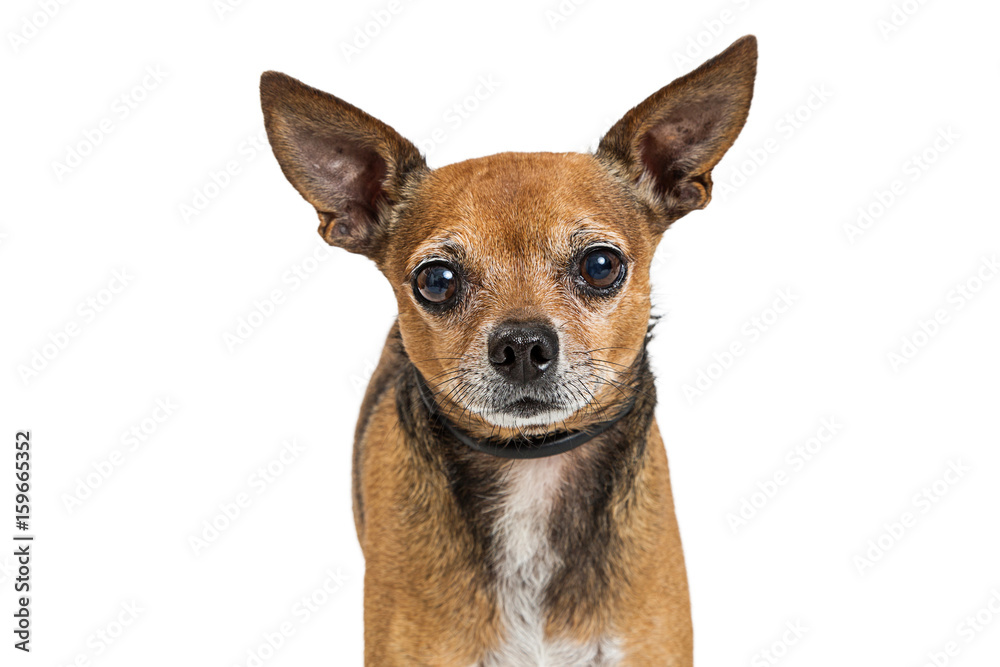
[(668, 145), (349, 166)]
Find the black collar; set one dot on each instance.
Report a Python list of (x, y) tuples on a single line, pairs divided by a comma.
[(534, 447)]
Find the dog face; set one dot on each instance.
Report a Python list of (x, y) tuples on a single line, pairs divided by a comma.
[(522, 278), (522, 282)]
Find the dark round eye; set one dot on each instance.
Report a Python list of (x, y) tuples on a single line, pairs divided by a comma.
[(437, 283), (601, 268)]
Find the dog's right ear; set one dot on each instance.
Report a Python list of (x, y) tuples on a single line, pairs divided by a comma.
[(350, 166)]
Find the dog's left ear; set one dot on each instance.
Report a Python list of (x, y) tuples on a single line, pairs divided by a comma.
[(350, 166), (668, 144)]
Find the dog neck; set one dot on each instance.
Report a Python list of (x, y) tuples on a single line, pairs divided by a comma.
[(569, 515)]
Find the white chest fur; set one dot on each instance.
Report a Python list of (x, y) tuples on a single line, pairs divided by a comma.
[(526, 563)]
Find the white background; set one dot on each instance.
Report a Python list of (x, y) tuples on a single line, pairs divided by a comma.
[(865, 98)]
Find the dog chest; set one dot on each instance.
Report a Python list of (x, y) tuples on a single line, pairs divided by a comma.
[(526, 561)]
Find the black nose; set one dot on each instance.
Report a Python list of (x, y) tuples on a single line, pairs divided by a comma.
[(522, 352)]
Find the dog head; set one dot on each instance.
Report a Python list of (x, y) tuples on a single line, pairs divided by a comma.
[(522, 278)]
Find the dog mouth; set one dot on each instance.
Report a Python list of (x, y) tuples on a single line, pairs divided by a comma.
[(541, 404), (528, 407), (527, 411)]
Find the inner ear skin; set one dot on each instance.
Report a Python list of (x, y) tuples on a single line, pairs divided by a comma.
[(678, 143), (346, 173)]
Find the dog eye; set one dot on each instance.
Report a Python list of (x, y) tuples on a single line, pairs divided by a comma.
[(436, 283), (601, 268)]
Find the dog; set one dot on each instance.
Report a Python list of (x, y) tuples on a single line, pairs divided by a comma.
[(511, 490)]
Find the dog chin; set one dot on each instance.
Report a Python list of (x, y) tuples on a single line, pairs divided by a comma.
[(520, 419)]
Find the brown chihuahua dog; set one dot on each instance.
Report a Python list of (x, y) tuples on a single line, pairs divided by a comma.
[(511, 490)]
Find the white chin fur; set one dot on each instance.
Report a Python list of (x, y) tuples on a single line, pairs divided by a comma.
[(546, 418)]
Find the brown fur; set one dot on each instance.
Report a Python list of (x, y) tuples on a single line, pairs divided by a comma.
[(425, 506)]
